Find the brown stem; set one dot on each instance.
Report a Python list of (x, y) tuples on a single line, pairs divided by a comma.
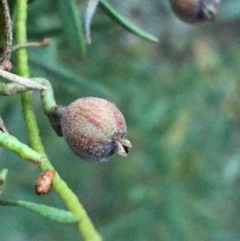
[(45, 42)]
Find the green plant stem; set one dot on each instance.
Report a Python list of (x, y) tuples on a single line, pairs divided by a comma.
[(12, 88), (11, 143), (47, 96), (85, 225)]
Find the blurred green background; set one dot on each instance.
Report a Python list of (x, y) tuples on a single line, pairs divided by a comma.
[(181, 101)]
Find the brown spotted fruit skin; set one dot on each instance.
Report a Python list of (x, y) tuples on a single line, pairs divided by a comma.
[(94, 128)]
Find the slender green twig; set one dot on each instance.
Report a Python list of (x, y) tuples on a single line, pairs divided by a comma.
[(11, 143), (53, 111), (85, 225), (47, 95), (12, 88)]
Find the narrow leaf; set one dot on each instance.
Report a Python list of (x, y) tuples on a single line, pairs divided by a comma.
[(72, 26), (91, 8), (54, 214), (117, 17), (11, 143)]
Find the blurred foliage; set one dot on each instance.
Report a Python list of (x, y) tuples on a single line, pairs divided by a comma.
[(181, 101)]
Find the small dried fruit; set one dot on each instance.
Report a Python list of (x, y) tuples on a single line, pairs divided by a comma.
[(44, 182), (95, 129)]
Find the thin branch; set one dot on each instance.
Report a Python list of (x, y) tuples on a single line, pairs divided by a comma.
[(21, 80), (11, 143), (45, 42), (7, 89)]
